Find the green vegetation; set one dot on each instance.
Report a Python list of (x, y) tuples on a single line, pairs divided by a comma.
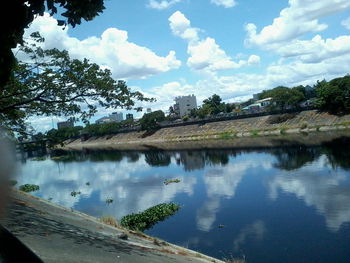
[(334, 96), (226, 135), (20, 14), (75, 193), (109, 220), (283, 97), (43, 158), (45, 92), (29, 188), (254, 132), (109, 201), (170, 181), (276, 119), (304, 125), (150, 121), (148, 218), (212, 106)]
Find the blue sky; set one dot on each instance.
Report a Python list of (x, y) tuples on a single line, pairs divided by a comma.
[(230, 47)]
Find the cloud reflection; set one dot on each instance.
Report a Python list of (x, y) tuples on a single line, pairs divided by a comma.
[(128, 185), (327, 192)]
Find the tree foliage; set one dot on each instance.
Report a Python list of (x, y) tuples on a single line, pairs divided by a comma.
[(150, 121), (19, 14), (284, 97), (334, 96), (52, 83)]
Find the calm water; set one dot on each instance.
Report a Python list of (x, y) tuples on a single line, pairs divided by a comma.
[(276, 205)]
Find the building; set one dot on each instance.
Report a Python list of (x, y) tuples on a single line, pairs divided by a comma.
[(129, 116), (114, 117), (105, 120), (65, 124), (258, 106), (184, 104), (149, 110), (117, 116)]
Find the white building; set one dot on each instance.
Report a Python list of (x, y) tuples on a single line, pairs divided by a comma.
[(114, 117), (117, 116), (184, 104)]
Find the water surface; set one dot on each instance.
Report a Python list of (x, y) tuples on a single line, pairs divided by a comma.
[(287, 204)]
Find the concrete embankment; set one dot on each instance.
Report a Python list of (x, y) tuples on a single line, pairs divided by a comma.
[(257, 131), (57, 234)]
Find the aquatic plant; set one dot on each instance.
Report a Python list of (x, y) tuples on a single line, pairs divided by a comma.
[(74, 193), (148, 218), (109, 200), (170, 181), (29, 188), (42, 158)]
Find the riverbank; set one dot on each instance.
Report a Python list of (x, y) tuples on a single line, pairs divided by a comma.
[(307, 127), (57, 234)]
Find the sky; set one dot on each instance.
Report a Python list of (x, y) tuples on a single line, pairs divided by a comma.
[(233, 48)]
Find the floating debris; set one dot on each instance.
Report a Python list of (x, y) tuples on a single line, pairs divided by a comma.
[(109, 201), (74, 193), (166, 182)]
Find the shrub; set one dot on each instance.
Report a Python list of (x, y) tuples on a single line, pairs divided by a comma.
[(303, 125), (29, 188), (148, 218), (275, 119), (185, 118)]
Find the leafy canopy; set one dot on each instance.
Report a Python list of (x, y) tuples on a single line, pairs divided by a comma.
[(19, 14), (334, 96), (150, 121), (52, 83)]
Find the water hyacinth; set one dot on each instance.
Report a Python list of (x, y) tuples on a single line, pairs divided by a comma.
[(148, 218)]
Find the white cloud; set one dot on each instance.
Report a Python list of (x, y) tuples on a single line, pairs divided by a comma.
[(181, 27), (205, 54), (346, 23), (224, 3), (112, 49), (160, 5), (301, 17)]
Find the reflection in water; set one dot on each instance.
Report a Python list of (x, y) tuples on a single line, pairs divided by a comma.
[(247, 191), (256, 231), (328, 193)]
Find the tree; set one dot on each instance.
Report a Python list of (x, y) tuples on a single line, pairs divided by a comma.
[(334, 96), (19, 14), (284, 97), (51, 83), (150, 121), (214, 104)]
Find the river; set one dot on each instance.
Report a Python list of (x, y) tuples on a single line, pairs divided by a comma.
[(282, 204)]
